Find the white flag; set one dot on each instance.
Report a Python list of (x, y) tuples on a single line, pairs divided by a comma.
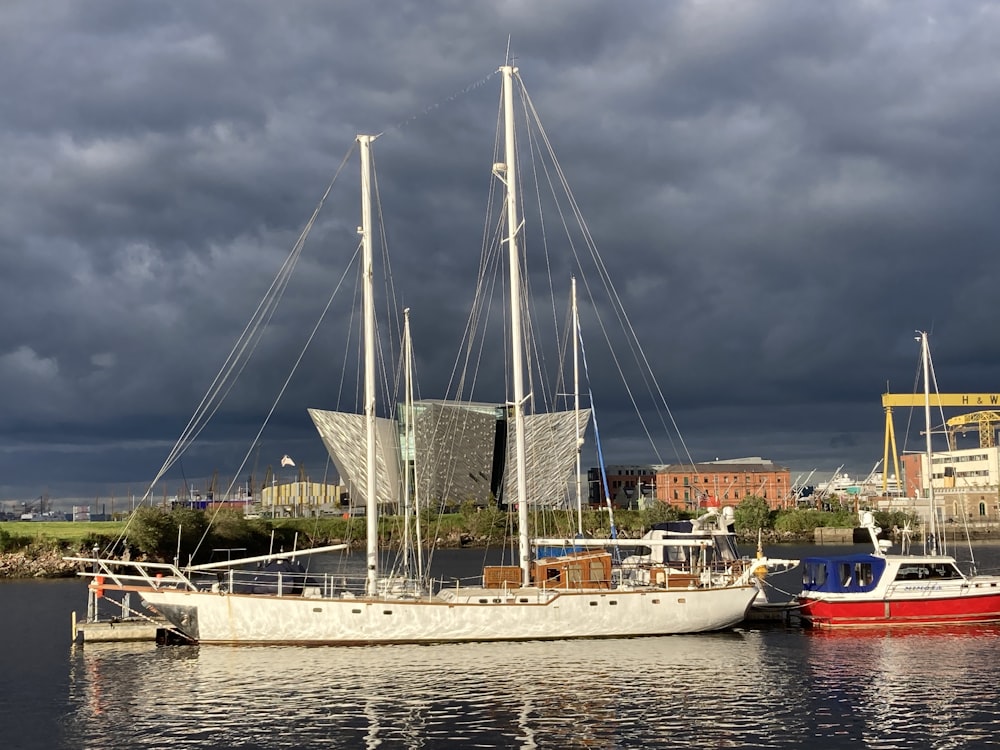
[(287, 461)]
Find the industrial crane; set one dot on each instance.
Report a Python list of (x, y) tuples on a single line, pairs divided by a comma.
[(983, 421), (891, 400)]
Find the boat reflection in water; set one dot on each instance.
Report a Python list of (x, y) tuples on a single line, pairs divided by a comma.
[(591, 693), (918, 687), (776, 688)]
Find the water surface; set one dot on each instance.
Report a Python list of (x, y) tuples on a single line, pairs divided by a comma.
[(758, 687)]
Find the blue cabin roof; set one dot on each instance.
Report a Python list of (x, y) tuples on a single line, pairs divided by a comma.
[(843, 573)]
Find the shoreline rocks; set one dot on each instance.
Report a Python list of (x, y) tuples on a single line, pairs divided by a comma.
[(28, 564)]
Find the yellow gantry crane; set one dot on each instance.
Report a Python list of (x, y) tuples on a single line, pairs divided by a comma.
[(983, 423)]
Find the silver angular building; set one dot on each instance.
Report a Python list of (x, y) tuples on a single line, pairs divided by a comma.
[(457, 452)]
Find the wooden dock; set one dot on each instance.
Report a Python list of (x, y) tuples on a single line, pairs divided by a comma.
[(117, 630), (771, 612)]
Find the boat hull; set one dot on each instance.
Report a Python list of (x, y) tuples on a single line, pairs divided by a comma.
[(966, 606), (476, 615)]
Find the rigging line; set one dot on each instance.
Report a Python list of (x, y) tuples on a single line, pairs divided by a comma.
[(605, 277), (475, 345), (393, 312), (281, 392), (264, 311), (493, 279), (597, 442), (564, 337), (250, 331), (347, 343), (618, 307), (910, 411), (965, 516), (456, 422), (441, 102), (491, 257), (389, 406), (485, 253), (485, 282), (535, 158)]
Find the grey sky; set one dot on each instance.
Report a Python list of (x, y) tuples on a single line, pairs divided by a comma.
[(784, 192)]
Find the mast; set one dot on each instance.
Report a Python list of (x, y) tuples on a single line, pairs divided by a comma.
[(410, 493), (925, 355), (576, 406), (507, 173), (408, 416), (371, 502)]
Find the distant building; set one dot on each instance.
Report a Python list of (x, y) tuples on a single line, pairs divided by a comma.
[(628, 485), (298, 499), (692, 486), (456, 452), (724, 482), (966, 482)]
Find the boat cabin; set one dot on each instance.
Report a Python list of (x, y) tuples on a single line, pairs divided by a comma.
[(843, 574), (576, 570), (721, 547), (585, 570), (860, 573)]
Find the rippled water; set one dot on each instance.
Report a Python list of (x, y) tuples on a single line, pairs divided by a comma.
[(759, 689), (772, 687)]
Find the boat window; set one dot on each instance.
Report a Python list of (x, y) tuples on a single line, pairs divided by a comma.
[(814, 575), (596, 570), (863, 574), (674, 554), (921, 571), (726, 548), (945, 570), (845, 574)]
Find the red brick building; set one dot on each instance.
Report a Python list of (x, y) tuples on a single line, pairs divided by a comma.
[(692, 486)]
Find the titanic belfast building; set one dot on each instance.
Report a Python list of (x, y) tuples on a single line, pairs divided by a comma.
[(456, 451)]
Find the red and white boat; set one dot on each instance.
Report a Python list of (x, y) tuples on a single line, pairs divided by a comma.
[(883, 590), (878, 589)]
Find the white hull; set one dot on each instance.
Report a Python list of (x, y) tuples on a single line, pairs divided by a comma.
[(454, 615)]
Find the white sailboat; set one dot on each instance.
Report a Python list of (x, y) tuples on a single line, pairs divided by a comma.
[(577, 595)]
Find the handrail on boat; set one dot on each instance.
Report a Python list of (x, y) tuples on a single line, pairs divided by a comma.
[(106, 566)]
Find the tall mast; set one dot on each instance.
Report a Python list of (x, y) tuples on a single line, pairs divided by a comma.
[(407, 420), (507, 173), (576, 407), (371, 504), (411, 494), (925, 356)]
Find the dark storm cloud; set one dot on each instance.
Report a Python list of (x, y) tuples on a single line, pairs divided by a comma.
[(783, 191)]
